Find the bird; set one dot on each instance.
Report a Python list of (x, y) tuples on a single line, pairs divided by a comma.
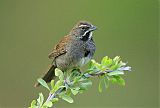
[(73, 51)]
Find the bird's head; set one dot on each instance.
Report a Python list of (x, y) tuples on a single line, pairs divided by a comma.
[(83, 30)]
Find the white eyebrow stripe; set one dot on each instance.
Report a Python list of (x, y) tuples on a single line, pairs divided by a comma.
[(82, 26)]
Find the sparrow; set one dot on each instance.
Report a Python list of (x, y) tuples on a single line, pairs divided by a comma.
[(73, 51)]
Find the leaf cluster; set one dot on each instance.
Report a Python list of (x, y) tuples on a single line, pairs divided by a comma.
[(75, 82)]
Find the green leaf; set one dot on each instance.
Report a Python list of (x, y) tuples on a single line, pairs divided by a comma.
[(58, 85), (67, 98), (106, 61), (113, 80), (48, 104), (67, 92), (121, 81), (40, 99), (117, 58), (74, 91), (52, 84), (118, 79), (114, 67), (33, 103), (90, 64), (95, 64), (59, 73), (43, 83), (100, 85), (115, 73), (85, 85), (121, 64), (77, 79), (54, 100), (105, 80)]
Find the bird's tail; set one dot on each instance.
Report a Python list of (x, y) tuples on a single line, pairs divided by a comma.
[(49, 75)]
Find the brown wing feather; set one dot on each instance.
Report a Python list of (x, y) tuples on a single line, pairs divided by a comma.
[(60, 48)]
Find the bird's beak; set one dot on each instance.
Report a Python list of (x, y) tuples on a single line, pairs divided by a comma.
[(93, 28)]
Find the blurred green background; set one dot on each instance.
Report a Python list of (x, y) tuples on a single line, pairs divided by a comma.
[(30, 28)]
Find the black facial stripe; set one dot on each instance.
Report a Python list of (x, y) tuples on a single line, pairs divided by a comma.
[(86, 53), (86, 36)]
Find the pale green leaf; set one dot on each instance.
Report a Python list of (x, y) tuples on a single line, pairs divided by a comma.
[(100, 85), (118, 79), (87, 84), (121, 81), (48, 104), (59, 84), (104, 60), (74, 91), (40, 99), (113, 80), (52, 84), (116, 59), (122, 64), (54, 100), (106, 84), (96, 64), (33, 103), (114, 67), (67, 98), (59, 73), (43, 83)]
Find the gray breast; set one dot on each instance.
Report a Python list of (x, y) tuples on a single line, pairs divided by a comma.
[(78, 54), (89, 50)]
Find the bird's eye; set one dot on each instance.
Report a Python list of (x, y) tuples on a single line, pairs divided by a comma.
[(83, 28)]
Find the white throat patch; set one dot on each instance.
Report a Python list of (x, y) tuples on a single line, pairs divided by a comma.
[(90, 35)]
